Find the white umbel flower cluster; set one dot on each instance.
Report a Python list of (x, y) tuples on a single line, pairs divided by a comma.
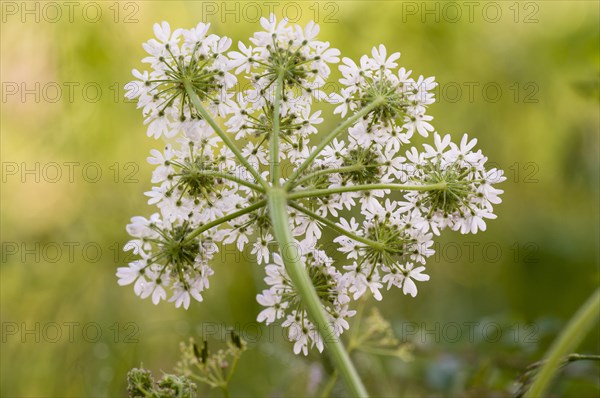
[(213, 184), (470, 194), (403, 112), (282, 302), (174, 56), (303, 62)]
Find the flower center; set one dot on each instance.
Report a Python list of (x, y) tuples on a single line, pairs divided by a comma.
[(193, 177), (458, 191), (323, 283), (197, 69), (174, 251), (393, 102), (292, 64), (369, 173)]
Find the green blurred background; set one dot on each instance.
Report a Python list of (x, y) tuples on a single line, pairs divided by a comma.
[(522, 77)]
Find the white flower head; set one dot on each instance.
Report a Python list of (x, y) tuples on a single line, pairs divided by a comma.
[(252, 166)]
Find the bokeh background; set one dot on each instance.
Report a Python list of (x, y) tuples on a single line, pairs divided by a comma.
[(522, 77)]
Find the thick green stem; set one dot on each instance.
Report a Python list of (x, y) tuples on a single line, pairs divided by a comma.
[(274, 147), (336, 227), (368, 187), (297, 272), (226, 140), (569, 339), (337, 131), (221, 220), (225, 392)]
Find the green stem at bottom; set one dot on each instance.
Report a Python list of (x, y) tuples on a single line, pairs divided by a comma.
[(569, 339), (297, 273)]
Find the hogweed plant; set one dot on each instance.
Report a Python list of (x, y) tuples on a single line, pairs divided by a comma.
[(243, 165)]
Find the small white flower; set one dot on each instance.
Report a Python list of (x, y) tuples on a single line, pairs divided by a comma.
[(409, 286), (380, 59), (261, 248), (275, 308)]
